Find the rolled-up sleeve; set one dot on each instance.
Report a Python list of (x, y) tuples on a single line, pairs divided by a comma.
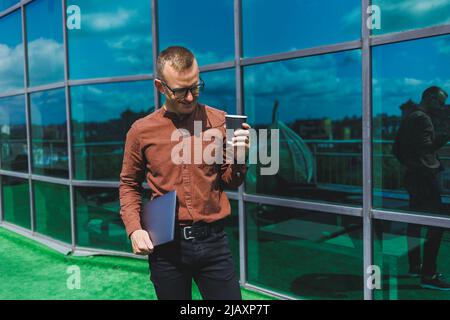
[(131, 178)]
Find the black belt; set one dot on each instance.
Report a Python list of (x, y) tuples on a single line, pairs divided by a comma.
[(200, 230)]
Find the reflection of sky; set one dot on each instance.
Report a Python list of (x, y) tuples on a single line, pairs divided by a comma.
[(307, 88), (273, 26), (403, 71), (206, 27), (4, 4), (114, 39), (101, 103), (12, 111), (402, 15), (11, 52), (45, 42), (48, 107), (220, 90)]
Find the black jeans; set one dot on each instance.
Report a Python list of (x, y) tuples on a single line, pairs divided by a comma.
[(208, 261), (424, 196)]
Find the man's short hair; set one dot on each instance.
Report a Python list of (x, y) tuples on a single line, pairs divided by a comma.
[(432, 92), (179, 58)]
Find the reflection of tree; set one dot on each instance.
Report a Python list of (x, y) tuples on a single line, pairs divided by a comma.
[(13, 144), (111, 130), (99, 145)]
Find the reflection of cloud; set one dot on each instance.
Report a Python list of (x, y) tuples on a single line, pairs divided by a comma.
[(444, 46), (108, 21), (11, 67), (390, 93), (46, 62), (413, 82), (209, 56), (46, 58), (352, 17), (407, 14), (315, 87), (134, 50), (412, 7), (106, 102)]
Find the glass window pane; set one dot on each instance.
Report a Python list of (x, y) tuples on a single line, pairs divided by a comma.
[(109, 40), (98, 221), (402, 73), (11, 52), (400, 249), (101, 117), (401, 15), (303, 253), (45, 42), (49, 133), (52, 206), (205, 27), (271, 26), (315, 104), (220, 90), (13, 134), (16, 201), (5, 4)]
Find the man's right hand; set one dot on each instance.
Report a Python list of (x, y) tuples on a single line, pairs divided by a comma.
[(141, 242)]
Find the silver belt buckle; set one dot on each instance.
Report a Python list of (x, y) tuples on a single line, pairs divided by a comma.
[(184, 234)]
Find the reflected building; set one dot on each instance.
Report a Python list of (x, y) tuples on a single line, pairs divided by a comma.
[(69, 93)]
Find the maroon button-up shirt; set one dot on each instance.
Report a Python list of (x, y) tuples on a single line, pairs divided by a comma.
[(199, 185)]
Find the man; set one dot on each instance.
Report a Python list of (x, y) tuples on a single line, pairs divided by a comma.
[(424, 130), (200, 250)]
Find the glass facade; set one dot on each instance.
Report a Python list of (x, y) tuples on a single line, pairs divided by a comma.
[(52, 210), (331, 245), (335, 84), (315, 104), (45, 42), (49, 133), (101, 117), (109, 40), (16, 201), (11, 44), (13, 135), (401, 246), (200, 29)]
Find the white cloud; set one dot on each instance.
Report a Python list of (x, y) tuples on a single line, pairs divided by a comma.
[(413, 82), (11, 67), (108, 21), (46, 60), (132, 49)]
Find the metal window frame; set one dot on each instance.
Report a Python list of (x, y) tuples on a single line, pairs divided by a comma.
[(366, 212)]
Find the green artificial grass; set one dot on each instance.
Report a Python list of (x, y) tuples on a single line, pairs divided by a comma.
[(30, 270)]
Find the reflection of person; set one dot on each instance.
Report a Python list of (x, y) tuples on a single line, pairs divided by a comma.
[(200, 250), (424, 130)]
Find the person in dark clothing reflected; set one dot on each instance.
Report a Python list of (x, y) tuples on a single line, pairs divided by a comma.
[(425, 128)]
